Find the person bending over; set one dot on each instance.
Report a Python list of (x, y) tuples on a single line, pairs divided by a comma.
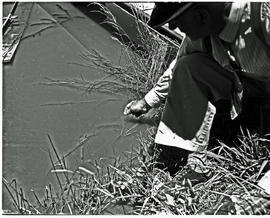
[(224, 56)]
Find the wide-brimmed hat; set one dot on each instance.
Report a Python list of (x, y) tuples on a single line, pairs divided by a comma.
[(164, 12)]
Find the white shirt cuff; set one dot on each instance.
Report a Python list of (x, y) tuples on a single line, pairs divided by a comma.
[(152, 99)]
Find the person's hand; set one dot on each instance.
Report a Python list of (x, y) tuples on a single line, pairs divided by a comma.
[(137, 107)]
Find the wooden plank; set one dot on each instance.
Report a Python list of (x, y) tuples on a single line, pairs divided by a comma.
[(15, 25)]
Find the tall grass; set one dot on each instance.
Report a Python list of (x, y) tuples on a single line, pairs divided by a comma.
[(144, 62), (132, 184)]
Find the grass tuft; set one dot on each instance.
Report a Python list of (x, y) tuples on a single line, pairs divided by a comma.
[(133, 185), (143, 63)]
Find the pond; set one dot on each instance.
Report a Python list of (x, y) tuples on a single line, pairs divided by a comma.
[(33, 112)]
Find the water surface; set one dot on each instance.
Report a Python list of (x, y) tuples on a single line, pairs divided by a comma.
[(32, 111)]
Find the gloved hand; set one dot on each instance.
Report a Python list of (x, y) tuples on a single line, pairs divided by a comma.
[(137, 107)]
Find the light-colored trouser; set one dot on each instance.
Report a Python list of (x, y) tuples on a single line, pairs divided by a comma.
[(197, 81)]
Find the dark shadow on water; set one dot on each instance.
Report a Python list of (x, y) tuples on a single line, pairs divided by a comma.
[(130, 39), (93, 11)]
